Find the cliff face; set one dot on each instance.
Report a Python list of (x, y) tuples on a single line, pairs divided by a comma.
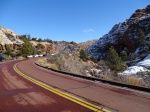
[(125, 35), (9, 38)]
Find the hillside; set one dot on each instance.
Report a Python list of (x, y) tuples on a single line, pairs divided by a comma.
[(126, 35), (131, 37), (9, 38)]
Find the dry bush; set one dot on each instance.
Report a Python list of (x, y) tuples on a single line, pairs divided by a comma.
[(74, 66), (54, 66), (56, 59), (145, 78), (43, 62), (68, 64), (107, 77), (20, 58), (134, 81)]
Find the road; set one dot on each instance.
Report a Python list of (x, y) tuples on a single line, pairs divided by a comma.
[(19, 95), (116, 98)]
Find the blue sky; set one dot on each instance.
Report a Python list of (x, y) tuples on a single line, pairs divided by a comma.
[(68, 20)]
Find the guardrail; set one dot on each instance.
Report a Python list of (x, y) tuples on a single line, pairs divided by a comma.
[(100, 80)]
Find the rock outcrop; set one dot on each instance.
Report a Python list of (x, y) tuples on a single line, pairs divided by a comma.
[(9, 38)]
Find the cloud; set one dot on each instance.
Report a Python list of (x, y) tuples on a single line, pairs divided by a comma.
[(88, 30)]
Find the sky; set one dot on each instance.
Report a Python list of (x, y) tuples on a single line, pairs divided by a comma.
[(66, 20)]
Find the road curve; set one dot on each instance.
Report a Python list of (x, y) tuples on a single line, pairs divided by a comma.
[(116, 98), (19, 95)]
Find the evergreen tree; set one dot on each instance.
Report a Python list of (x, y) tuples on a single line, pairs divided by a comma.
[(27, 49), (34, 39), (83, 55), (142, 40), (39, 40), (114, 61), (123, 55)]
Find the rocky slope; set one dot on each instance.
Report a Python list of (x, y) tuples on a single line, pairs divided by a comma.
[(132, 36), (125, 35), (85, 45), (9, 38)]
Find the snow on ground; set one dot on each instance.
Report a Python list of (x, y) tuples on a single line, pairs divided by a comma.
[(133, 70), (145, 63), (142, 66)]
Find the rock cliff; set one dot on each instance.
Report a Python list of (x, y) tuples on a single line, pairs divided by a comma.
[(9, 38)]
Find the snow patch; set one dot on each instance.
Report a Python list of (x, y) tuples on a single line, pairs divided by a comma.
[(133, 70), (145, 63), (142, 66)]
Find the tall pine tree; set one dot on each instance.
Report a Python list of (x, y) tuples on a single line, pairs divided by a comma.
[(27, 49), (83, 55), (114, 61), (142, 40), (123, 55)]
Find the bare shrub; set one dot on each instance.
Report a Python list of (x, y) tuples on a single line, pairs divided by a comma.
[(56, 59), (64, 63), (145, 78), (134, 81), (106, 77), (54, 66), (43, 62)]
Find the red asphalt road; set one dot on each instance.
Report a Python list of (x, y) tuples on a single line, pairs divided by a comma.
[(116, 98), (19, 95)]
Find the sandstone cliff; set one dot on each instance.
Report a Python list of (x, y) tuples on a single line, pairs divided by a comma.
[(9, 38)]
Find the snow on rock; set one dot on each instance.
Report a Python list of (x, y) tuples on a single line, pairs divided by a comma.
[(133, 70), (145, 63), (124, 34), (142, 66)]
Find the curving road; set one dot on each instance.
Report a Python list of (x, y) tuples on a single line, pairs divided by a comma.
[(118, 99), (19, 95)]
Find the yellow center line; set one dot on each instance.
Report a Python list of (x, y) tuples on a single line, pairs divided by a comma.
[(65, 95)]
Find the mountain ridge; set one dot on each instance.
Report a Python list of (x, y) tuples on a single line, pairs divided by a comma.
[(124, 35), (8, 38)]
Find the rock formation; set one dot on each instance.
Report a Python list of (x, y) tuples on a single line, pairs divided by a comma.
[(9, 38)]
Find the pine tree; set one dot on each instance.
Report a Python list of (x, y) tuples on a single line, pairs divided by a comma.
[(27, 49), (142, 40), (123, 55), (114, 61), (83, 55)]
